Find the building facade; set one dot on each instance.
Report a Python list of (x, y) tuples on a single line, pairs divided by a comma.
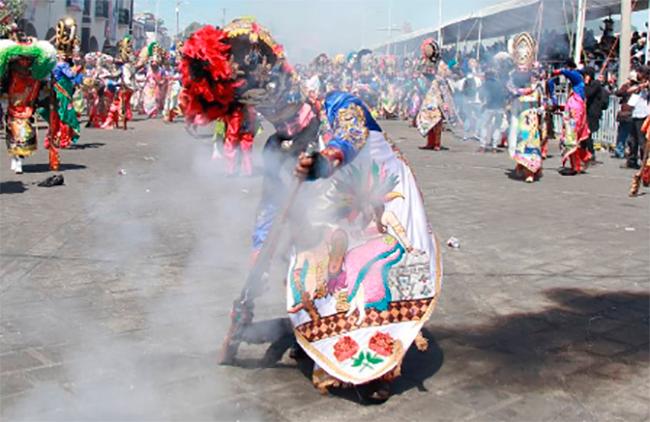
[(148, 28), (101, 23)]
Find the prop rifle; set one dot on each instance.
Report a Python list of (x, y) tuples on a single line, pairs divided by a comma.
[(53, 153), (241, 315), (123, 104)]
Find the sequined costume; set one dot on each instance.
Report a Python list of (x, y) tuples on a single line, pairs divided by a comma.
[(64, 128), (153, 93), (642, 177), (99, 97), (120, 111), (524, 141), (24, 64), (365, 272), (172, 108), (575, 130), (429, 120)]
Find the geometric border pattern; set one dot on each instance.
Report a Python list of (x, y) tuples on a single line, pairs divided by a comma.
[(333, 325)]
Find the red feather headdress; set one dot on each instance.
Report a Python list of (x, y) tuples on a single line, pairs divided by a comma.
[(208, 78)]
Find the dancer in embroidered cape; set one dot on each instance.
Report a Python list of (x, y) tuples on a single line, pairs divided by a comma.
[(153, 91), (642, 177), (64, 127), (172, 107), (429, 120), (524, 141), (575, 129), (124, 79), (366, 271), (99, 97), (24, 64)]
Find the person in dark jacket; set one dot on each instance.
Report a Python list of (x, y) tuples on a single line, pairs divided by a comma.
[(624, 115), (597, 101), (493, 95)]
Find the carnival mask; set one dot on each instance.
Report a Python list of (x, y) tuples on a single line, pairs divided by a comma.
[(125, 49), (523, 50), (65, 37)]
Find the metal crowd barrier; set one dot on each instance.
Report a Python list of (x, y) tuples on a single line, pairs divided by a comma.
[(606, 135)]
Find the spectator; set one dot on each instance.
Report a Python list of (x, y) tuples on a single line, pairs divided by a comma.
[(493, 94), (472, 103), (624, 115), (597, 102), (638, 99)]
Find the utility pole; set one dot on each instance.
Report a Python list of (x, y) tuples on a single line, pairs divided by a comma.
[(480, 39), (390, 26), (131, 7), (624, 41), (580, 31), (647, 39), (157, 18), (440, 38), (178, 11), (49, 13)]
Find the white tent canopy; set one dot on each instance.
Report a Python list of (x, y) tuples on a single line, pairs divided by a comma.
[(513, 16)]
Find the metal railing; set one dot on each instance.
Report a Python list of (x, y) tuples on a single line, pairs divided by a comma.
[(606, 135)]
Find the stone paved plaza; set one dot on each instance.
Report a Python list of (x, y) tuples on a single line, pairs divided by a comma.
[(116, 290)]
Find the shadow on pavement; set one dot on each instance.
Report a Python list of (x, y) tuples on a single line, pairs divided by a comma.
[(87, 145), (512, 175), (586, 337), (44, 168), (416, 367), (593, 334), (12, 187)]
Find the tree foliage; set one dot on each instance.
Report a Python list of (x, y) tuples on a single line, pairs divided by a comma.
[(10, 12), (191, 28)]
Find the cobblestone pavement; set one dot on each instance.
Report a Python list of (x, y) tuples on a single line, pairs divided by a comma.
[(116, 289)]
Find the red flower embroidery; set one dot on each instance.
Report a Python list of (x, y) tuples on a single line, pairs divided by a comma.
[(382, 344), (345, 348)]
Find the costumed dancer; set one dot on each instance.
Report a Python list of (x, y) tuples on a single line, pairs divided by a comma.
[(643, 175), (429, 120), (238, 137), (171, 107), (452, 118), (550, 107), (365, 273), (97, 98), (64, 125), (151, 94), (413, 101), (524, 140), (575, 129), (137, 100), (79, 96), (120, 108), (389, 102), (24, 63)]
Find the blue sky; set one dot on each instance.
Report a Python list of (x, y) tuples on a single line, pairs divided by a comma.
[(309, 27)]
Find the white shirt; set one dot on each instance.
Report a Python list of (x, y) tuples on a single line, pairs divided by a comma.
[(640, 103)]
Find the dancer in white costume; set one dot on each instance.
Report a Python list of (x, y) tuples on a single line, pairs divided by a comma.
[(366, 271)]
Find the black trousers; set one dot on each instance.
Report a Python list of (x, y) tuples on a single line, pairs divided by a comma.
[(636, 142), (594, 126)]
